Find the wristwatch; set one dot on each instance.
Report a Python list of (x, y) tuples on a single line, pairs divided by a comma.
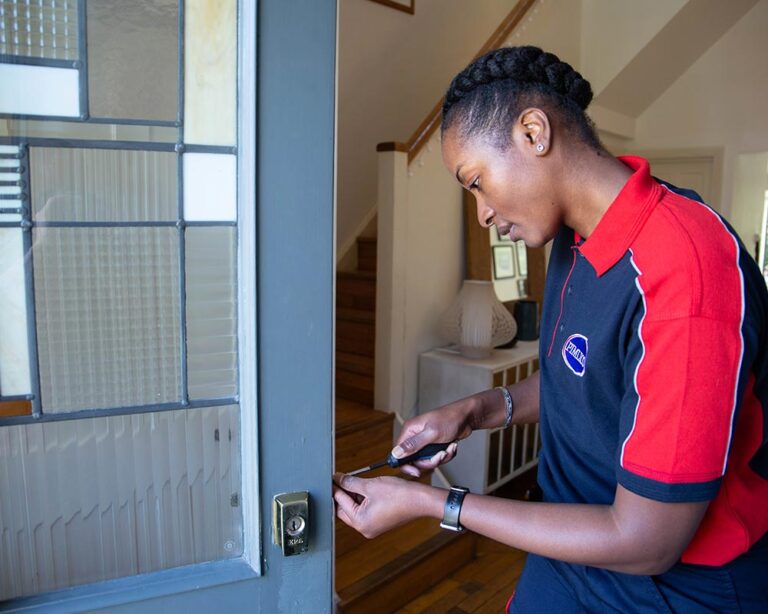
[(452, 509)]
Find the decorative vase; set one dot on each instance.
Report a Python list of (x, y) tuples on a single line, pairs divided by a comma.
[(477, 321)]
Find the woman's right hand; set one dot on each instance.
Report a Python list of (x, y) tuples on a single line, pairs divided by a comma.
[(451, 422)]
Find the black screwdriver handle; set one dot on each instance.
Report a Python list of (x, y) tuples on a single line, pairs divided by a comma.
[(425, 453)]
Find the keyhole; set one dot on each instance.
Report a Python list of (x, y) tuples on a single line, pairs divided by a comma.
[(295, 525)]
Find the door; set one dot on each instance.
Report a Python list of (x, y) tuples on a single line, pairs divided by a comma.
[(166, 314), (696, 173)]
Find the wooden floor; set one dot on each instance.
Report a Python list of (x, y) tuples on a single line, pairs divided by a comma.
[(484, 585)]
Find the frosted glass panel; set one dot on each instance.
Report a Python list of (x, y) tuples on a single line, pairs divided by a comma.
[(39, 90), (14, 350), (39, 28), (210, 99), (211, 312), (76, 185), (107, 305), (10, 174), (5, 189), (210, 187), (133, 58), (89, 500), (90, 131), (10, 217)]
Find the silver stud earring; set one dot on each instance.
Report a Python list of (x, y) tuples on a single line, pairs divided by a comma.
[(540, 147)]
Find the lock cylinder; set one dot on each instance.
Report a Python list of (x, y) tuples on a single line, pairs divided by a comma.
[(290, 522)]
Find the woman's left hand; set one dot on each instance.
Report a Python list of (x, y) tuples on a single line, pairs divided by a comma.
[(374, 506)]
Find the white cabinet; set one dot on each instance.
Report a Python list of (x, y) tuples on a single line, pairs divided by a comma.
[(489, 458)]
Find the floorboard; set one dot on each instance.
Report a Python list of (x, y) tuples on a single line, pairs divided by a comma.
[(484, 585)]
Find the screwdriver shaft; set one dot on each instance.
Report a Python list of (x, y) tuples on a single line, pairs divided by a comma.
[(368, 468)]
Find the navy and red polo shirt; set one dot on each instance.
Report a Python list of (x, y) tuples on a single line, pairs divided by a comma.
[(654, 372)]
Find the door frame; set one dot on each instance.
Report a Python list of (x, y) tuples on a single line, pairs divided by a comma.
[(715, 154), (286, 158)]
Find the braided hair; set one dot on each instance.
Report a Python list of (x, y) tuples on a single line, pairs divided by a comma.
[(486, 98)]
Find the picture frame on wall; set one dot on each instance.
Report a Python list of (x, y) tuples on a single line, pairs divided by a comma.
[(522, 258), (503, 262)]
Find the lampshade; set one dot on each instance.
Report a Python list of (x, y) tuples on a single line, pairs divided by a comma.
[(477, 321)]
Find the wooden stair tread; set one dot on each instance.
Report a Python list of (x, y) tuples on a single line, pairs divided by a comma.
[(381, 551), (356, 380), (351, 416), (356, 315), (484, 584), (357, 275), (356, 363), (380, 577)]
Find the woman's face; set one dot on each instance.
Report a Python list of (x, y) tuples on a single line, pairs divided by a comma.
[(512, 187)]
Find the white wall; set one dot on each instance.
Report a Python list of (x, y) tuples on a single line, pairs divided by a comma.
[(393, 68), (613, 31), (720, 101)]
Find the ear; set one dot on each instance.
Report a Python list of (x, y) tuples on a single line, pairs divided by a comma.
[(534, 132)]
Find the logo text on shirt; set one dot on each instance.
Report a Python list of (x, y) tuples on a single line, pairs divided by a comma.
[(575, 353)]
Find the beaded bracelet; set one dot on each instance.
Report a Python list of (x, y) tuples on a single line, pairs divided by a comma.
[(510, 405)]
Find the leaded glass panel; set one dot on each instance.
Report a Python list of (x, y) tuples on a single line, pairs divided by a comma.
[(211, 312), (107, 302), (133, 77), (107, 497), (39, 28), (94, 185), (14, 351)]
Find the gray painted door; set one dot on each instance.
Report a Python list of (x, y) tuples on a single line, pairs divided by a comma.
[(282, 239)]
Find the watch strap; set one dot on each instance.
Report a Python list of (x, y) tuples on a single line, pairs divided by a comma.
[(452, 509)]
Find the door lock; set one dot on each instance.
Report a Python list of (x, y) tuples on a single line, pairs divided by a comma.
[(290, 522)]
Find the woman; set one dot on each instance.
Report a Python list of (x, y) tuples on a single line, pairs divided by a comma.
[(653, 380)]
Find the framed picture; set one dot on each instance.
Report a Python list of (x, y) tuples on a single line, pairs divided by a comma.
[(522, 257), (503, 262), (500, 236), (522, 287)]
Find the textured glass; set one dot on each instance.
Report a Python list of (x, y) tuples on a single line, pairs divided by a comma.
[(89, 500), (10, 174), (39, 28), (210, 92), (133, 58), (77, 185), (90, 131), (107, 307), (9, 163), (211, 312), (10, 217), (210, 187), (14, 348), (39, 90)]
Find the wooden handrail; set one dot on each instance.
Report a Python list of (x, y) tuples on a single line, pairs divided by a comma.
[(425, 130), (409, 8)]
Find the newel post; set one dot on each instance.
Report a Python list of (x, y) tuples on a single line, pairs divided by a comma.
[(391, 256)]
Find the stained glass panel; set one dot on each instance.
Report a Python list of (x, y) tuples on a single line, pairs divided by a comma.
[(107, 304), (108, 497)]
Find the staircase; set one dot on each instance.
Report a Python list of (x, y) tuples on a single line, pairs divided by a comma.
[(385, 573), (356, 327)]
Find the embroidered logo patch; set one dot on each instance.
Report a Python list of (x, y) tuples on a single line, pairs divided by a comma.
[(575, 353)]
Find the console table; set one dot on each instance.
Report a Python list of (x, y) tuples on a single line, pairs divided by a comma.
[(488, 458)]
